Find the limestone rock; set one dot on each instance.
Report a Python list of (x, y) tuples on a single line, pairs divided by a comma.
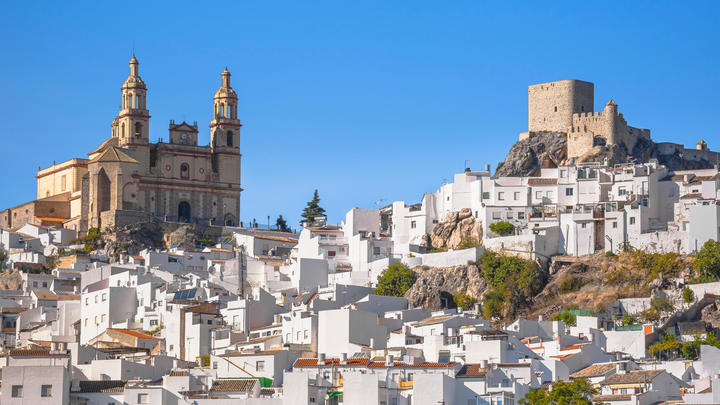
[(434, 287), (527, 155), (457, 226)]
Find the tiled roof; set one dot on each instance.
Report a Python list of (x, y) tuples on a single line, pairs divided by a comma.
[(102, 386), (134, 333), (34, 353), (178, 373), (433, 320), (513, 364), (635, 376), (418, 365), (691, 195), (472, 370), (277, 238), (233, 385), (45, 295), (331, 362), (114, 154), (13, 310), (593, 370), (542, 181), (205, 308)]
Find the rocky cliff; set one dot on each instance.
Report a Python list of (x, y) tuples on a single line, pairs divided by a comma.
[(458, 228), (526, 157), (435, 286)]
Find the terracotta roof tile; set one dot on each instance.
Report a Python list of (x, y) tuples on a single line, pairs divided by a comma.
[(593, 370), (134, 333), (632, 377), (472, 370), (307, 362), (178, 373), (542, 181), (244, 385), (611, 398), (102, 386)]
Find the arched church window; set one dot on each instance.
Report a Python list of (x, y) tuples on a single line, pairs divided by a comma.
[(137, 101), (229, 138), (184, 170), (138, 129)]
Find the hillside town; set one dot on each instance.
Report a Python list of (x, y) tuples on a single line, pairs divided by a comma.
[(119, 291)]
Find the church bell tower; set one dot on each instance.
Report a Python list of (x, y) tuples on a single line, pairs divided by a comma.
[(131, 124), (225, 126)]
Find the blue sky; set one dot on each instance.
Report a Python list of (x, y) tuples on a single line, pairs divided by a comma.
[(361, 100)]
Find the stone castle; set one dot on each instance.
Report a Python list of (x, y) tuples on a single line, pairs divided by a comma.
[(567, 106), (129, 179)]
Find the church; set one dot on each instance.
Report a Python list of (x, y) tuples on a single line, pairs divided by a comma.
[(128, 179)]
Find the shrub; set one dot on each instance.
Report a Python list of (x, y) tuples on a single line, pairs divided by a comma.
[(568, 317), (513, 280), (628, 319), (395, 280), (577, 392), (609, 253), (502, 228), (707, 260), (668, 343), (467, 242), (464, 301), (661, 304), (570, 284), (688, 295), (493, 305)]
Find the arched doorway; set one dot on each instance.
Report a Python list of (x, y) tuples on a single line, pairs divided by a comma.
[(229, 220), (184, 212)]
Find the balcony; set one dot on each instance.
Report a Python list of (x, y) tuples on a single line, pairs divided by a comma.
[(404, 385)]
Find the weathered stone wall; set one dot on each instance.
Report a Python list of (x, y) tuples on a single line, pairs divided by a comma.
[(551, 105)]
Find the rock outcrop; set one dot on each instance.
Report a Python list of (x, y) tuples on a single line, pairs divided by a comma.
[(526, 157), (435, 286), (458, 227)]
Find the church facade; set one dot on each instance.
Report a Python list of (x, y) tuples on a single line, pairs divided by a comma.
[(129, 179)]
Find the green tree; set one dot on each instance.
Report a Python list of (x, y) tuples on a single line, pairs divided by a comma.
[(577, 392), (313, 208), (281, 224), (493, 304), (395, 280), (688, 295), (707, 260), (464, 301), (502, 228), (566, 316), (668, 344)]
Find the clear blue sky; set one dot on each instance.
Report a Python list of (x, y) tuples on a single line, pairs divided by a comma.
[(361, 100)]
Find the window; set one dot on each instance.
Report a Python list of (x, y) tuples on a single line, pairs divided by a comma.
[(549, 194), (153, 322), (209, 321), (516, 196), (142, 399), (521, 215), (563, 173), (496, 215), (44, 284), (260, 365), (102, 318), (621, 191), (485, 195), (614, 224), (538, 194), (509, 215), (555, 108), (184, 170), (501, 196), (96, 322), (306, 334), (413, 224), (229, 138), (299, 336), (63, 182), (331, 253), (86, 321), (214, 365), (17, 391), (138, 129), (35, 284), (632, 220), (376, 251), (96, 298), (568, 191), (46, 391), (583, 225)]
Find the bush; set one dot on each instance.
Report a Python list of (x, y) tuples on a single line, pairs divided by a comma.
[(493, 305), (577, 392), (707, 260), (502, 228), (609, 253), (395, 280), (628, 319), (513, 280), (468, 242), (570, 284), (464, 301), (688, 295), (661, 304), (568, 317), (640, 268)]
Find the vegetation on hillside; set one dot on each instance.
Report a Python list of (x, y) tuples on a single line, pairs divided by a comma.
[(707, 262), (568, 317), (669, 347), (464, 301), (513, 281), (395, 280)]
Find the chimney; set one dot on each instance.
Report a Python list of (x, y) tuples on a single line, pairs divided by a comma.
[(321, 358), (277, 318), (343, 359), (372, 343), (483, 364), (540, 318), (621, 368), (487, 167), (389, 360)]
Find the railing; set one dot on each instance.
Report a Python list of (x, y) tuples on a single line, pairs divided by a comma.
[(404, 385)]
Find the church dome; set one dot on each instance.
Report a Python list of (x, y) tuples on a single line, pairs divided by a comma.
[(225, 91)]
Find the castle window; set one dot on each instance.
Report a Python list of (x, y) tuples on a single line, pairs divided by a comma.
[(555, 108), (582, 108), (229, 138), (184, 170)]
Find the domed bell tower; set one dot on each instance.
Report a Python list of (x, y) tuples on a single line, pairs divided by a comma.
[(131, 124), (225, 126)]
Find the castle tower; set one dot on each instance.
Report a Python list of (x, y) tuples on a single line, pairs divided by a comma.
[(225, 126), (131, 124), (551, 105), (609, 113)]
